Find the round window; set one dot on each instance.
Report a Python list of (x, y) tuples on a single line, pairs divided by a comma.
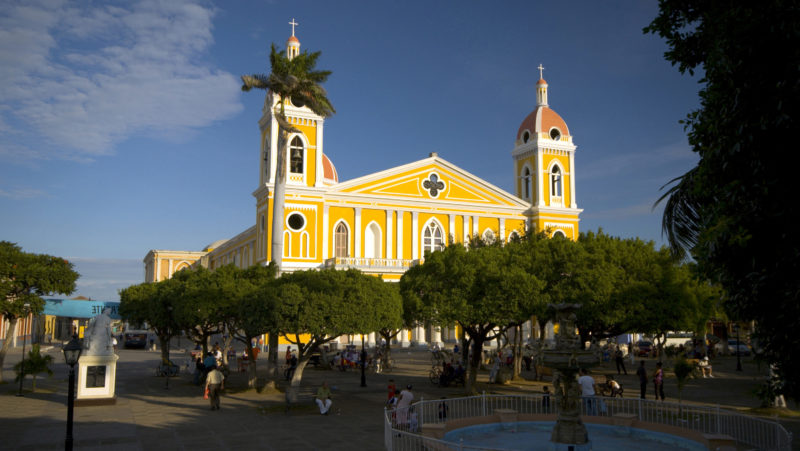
[(296, 221), (555, 134)]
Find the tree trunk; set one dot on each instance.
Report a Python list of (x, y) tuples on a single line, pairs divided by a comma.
[(279, 197), (272, 354), (226, 345), (12, 326), (517, 352), (164, 342), (474, 363), (33, 386), (298, 372), (252, 374)]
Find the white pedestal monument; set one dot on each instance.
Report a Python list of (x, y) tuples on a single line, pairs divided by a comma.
[(97, 366)]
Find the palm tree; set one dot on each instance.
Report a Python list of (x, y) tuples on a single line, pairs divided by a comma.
[(682, 222), (296, 79)]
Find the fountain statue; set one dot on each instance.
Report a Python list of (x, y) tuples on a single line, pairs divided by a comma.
[(566, 360)]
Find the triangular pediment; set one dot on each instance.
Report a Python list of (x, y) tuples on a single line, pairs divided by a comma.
[(432, 179)]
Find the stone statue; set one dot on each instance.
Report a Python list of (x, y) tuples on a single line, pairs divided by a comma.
[(97, 339)]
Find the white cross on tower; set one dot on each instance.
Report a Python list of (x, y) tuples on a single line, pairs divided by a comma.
[(540, 68), (293, 23)]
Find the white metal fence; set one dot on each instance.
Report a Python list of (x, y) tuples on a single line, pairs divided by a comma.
[(401, 431)]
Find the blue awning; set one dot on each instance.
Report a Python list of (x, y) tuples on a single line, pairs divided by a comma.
[(73, 308)]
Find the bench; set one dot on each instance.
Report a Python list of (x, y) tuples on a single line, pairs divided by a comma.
[(299, 396)]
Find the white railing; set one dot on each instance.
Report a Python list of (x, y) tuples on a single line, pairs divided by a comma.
[(371, 263), (751, 431)]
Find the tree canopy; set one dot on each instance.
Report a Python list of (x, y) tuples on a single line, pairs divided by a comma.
[(24, 278), (734, 212)]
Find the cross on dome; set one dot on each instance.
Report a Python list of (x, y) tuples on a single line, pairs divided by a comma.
[(293, 23), (541, 68)]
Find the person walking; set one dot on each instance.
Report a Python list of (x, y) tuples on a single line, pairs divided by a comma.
[(658, 381), (642, 373), (403, 406), (323, 398), (214, 383), (620, 361), (588, 391)]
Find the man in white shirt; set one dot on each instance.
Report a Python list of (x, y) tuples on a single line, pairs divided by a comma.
[(588, 390)]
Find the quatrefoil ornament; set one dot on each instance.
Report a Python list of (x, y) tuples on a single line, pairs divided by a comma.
[(433, 185)]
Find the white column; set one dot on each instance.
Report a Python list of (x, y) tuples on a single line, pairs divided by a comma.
[(437, 336), (539, 179), (503, 229), (400, 235), (572, 202), (420, 335), (451, 233), (389, 250), (404, 343), (273, 153), (414, 236), (357, 233), (475, 231), (325, 226), (320, 172), (465, 220), (371, 340)]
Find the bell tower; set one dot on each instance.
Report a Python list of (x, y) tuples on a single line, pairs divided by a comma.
[(544, 160), (304, 159)]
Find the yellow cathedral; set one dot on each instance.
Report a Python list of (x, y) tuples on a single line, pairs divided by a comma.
[(383, 223)]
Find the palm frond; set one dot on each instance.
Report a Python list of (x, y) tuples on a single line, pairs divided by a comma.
[(681, 222)]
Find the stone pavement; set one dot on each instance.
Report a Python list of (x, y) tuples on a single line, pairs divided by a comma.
[(147, 416)]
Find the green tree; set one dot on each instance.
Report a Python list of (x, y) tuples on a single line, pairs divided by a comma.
[(254, 310), (24, 278), (197, 305), (328, 303), (296, 79), (734, 212), (483, 289), (35, 363), (154, 304)]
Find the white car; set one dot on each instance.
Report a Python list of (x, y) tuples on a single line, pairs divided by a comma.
[(732, 345)]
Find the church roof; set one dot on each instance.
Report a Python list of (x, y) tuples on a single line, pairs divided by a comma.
[(542, 119)]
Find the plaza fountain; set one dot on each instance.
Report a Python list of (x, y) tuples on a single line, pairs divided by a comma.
[(566, 359)]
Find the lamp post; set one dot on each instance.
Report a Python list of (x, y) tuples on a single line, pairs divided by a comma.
[(363, 362), (72, 352), (22, 365), (738, 354), (168, 366)]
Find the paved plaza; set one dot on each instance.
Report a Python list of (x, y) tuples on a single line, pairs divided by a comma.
[(148, 416)]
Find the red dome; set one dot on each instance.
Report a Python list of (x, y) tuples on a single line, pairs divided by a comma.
[(541, 82), (329, 170), (542, 119), (293, 39)]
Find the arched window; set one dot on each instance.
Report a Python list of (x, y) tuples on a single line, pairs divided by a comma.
[(559, 233), (555, 181), (526, 184), (488, 236), (432, 238), (372, 241), (513, 236), (341, 247), (296, 156)]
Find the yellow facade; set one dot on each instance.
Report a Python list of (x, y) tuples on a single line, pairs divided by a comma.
[(383, 223)]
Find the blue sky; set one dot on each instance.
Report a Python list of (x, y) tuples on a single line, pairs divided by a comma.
[(123, 127)]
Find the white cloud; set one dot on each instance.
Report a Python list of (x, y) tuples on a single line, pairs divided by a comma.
[(608, 166), (22, 193), (80, 79), (627, 211)]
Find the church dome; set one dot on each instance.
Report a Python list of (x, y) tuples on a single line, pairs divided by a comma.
[(329, 173), (542, 120)]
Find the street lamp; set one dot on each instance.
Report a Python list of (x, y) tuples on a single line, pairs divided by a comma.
[(22, 365), (738, 354), (72, 352), (168, 366), (363, 362)]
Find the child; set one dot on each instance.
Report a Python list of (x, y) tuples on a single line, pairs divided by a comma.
[(392, 390), (443, 409)]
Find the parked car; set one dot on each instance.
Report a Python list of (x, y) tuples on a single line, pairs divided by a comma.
[(732, 345), (643, 348)]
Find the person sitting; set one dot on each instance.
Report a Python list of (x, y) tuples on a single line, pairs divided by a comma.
[(705, 367), (323, 398), (614, 386)]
